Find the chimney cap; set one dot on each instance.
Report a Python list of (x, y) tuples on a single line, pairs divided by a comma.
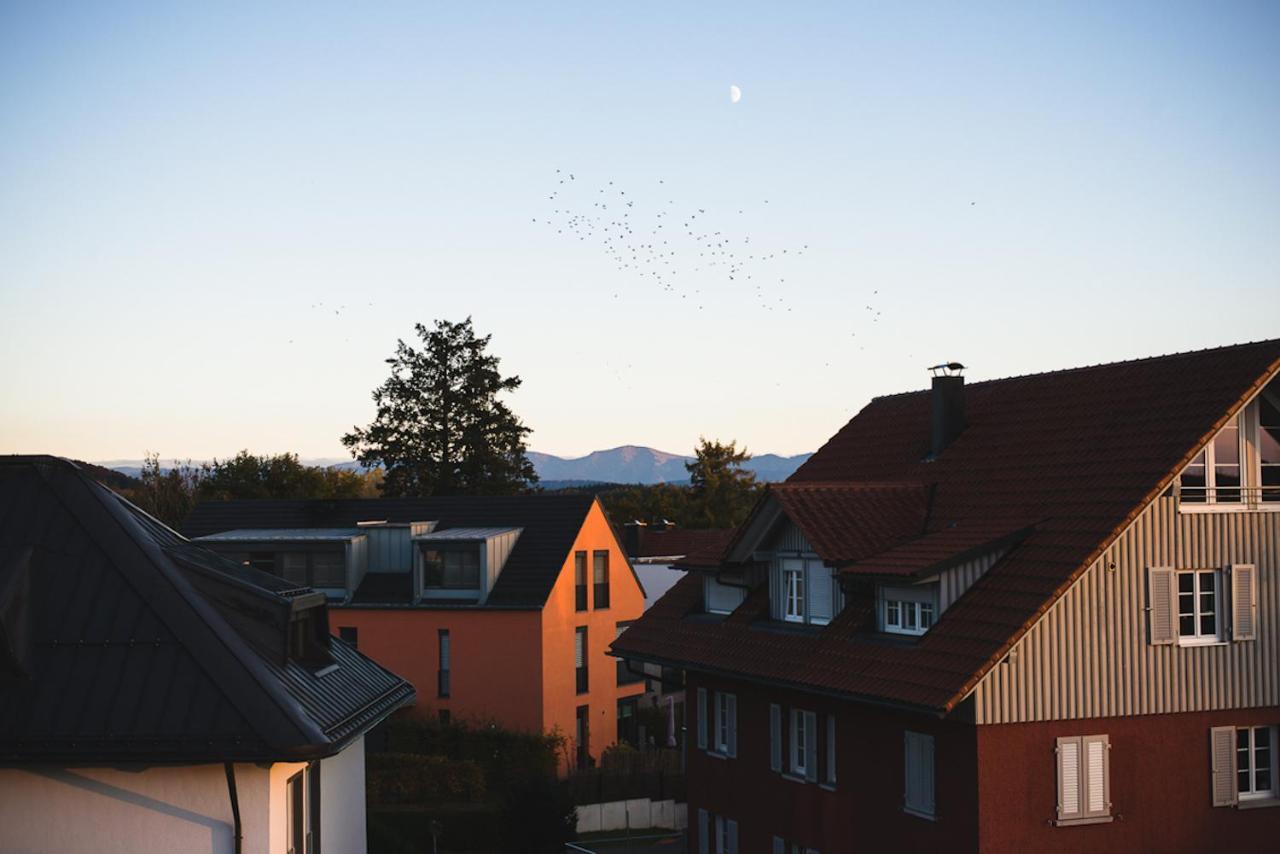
[(947, 369)]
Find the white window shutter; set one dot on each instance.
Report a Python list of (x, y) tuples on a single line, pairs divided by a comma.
[(831, 749), (1244, 606), (704, 832), (1162, 610), (775, 737), (810, 746), (927, 781), (1222, 752), (1069, 786), (820, 592), (702, 718), (779, 846), (733, 836), (731, 706), (1095, 750)]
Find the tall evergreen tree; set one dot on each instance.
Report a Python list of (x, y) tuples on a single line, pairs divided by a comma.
[(440, 428), (722, 491)]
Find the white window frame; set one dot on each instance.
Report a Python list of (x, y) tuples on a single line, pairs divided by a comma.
[(1250, 753), (725, 738), (303, 821), (793, 593), (903, 610), (1197, 638), (1248, 421), (802, 752), (726, 835)]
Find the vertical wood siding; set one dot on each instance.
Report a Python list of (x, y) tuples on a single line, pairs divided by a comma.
[(1089, 656), (960, 578)]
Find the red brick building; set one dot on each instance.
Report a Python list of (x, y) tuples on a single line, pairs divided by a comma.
[(1032, 614)]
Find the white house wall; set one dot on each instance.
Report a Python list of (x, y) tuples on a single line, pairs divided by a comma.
[(342, 813), (110, 811), (1089, 655)]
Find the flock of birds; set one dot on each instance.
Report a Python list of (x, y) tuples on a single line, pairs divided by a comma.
[(681, 249)]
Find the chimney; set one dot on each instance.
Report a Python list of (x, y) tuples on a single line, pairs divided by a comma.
[(631, 534), (946, 406)]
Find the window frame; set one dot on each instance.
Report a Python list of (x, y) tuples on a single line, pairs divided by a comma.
[(1251, 435), (297, 801), (444, 664), (793, 594), (1272, 792), (580, 581), (581, 652), (896, 602), (599, 589), (464, 548), (1197, 615), (724, 727)]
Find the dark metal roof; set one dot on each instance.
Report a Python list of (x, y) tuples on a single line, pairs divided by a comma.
[(550, 525), (122, 642)]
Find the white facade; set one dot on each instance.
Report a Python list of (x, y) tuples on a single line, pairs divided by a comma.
[(183, 808)]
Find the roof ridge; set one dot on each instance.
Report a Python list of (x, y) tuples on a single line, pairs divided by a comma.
[(796, 485), (1096, 366)]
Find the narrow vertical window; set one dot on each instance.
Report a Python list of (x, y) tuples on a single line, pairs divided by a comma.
[(296, 823), (918, 797), (726, 727), (1269, 443), (582, 735), (701, 696), (579, 581), (804, 744), (600, 578), (793, 586), (444, 667), (580, 658), (831, 750)]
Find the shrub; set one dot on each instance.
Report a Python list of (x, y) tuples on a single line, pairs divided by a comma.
[(506, 757), (406, 778)]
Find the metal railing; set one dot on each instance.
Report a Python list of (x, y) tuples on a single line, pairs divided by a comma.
[(1248, 497)]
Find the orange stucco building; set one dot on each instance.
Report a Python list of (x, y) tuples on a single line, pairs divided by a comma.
[(495, 608)]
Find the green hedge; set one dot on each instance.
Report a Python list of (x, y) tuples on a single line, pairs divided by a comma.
[(460, 829), (506, 757), (407, 778)]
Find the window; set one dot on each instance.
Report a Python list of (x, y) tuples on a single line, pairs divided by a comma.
[(702, 718), (807, 592), (721, 598), (918, 774), (726, 727), (793, 584), (908, 610), (579, 581), (297, 821), (1240, 466), (1084, 779), (351, 635), (804, 745), (580, 658), (1198, 605), (726, 835), (780, 846), (600, 578), (453, 568), (444, 668), (582, 726), (1214, 475), (831, 750), (1255, 772), (1269, 443), (326, 568)]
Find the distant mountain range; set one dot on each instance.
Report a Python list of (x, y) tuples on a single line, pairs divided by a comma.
[(627, 464)]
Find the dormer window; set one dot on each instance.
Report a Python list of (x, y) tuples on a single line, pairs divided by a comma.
[(1214, 475), (453, 568), (908, 610), (803, 590)]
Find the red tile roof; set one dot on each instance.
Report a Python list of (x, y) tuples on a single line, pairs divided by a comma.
[(680, 542), (1058, 462)]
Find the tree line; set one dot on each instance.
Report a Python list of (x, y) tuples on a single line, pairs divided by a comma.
[(441, 427)]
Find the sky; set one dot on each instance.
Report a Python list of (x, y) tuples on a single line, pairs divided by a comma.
[(217, 219)]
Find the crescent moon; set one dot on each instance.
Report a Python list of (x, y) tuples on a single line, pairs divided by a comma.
[(735, 94)]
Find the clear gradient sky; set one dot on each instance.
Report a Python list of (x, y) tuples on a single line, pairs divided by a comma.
[(1021, 187)]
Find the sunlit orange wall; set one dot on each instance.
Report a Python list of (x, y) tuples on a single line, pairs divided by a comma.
[(559, 620), (496, 658)]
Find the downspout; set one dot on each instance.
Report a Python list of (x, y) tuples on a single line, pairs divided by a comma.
[(235, 805)]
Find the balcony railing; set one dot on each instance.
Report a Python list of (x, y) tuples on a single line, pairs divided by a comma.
[(1242, 497)]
